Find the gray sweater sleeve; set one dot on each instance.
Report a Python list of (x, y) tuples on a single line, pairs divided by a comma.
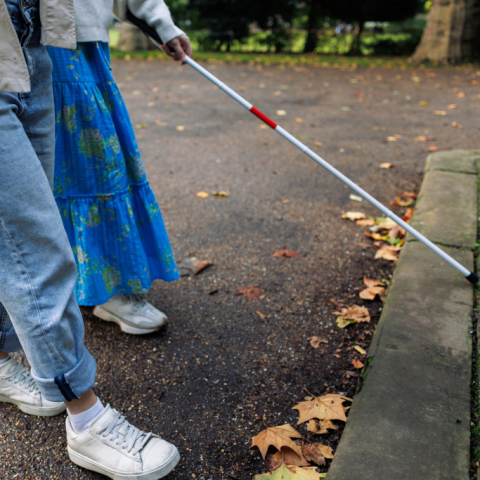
[(157, 15)]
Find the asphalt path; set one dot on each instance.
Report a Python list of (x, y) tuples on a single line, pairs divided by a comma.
[(225, 365)]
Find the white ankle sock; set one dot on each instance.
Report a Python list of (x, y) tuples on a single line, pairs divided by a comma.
[(5, 360), (81, 421)]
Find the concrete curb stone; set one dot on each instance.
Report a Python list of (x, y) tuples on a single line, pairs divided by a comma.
[(411, 418)]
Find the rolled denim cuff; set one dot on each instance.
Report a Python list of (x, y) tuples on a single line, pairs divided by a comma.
[(70, 385)]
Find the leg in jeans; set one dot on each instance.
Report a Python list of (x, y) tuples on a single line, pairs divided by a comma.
[(38, 308)]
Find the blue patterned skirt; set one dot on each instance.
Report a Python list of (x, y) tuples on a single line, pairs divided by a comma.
[(109, 211)]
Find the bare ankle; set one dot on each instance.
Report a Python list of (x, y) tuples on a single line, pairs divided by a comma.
[(3, 355), (82, 404)]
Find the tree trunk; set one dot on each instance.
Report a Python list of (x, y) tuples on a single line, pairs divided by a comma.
[(312, 34), (452, 33), (356, 49), (132, 39)]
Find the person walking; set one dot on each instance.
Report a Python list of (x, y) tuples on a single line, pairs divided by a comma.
[(38, 308), (109, 211)]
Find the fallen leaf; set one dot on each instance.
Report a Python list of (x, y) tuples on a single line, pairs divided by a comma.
[(251, 293), (284, 456), (281, 113), (366, 223), (408, 215), (262, 127), (423, 138), (221, 193), (316, 341), (355, 312), (353, 215), (260, 314), (141, 125), (386, 165), (343, 322), (400, 203), (440, 112), (388, 252), (432, 148), (360, 349), (285, 201), (180, 128), (150, 104), (285, 253), (277, 93), (453, 106), (299, 120), (423, 103), (371, 292), (321, 429), (457, 125), (326, 407), (202, 195), (318, 144), (292, 472), (460, 94), (356, 198), (262, 85), (357, 363), (192, 266), (392, 138), (317, 453), (278, 437)]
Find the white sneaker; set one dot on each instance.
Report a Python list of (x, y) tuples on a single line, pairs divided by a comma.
[(133, 313), (121, 451), (19, 388)]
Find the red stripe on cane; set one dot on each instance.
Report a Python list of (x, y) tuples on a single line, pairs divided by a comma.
[(263, 117)]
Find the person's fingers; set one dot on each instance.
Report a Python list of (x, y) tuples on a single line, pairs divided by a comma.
[(179, 54), (166, 50), (187, 47)]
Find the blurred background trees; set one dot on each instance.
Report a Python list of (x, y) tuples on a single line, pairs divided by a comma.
[(354, 27)]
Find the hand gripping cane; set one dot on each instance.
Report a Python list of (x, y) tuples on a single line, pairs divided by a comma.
[(150, 32)]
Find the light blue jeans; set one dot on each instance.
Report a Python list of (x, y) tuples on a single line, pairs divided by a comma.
[(38, 308)]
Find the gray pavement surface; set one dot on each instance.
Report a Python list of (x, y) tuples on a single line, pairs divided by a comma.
[(413, 411), (207, 381)]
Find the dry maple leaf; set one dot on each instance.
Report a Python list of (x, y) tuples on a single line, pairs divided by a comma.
[(357, 363), (388, 252), (326, 407), (321, 429), (292, 472), (251, 293), (368, 222), (316, 341), (353, 215), (287, 456), (278, 437), (285, 253), (355, 312), (374, 288), (317, 453)]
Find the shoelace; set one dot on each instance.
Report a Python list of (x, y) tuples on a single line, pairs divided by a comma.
[(131, 440), (138, 301), (23, 378)]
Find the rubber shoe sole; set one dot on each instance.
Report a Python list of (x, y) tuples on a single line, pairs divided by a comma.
[(35, 409), (89, 464), (110, 317)]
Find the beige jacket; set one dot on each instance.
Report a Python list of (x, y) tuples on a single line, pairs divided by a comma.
[(58, 30)]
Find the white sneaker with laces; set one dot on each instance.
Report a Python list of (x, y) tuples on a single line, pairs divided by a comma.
[(117, 449), (19, 388), (133, 313)]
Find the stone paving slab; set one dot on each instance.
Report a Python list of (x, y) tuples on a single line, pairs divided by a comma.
[(446, 211), (411, 419), (460, 161)]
